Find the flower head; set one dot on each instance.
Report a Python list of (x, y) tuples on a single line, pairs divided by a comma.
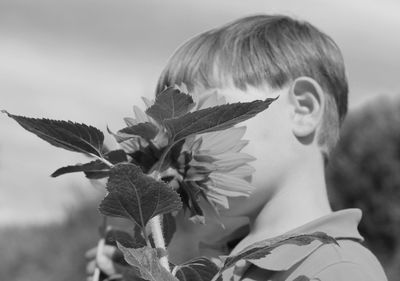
[(208, 165)]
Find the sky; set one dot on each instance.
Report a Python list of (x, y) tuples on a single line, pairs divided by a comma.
[(90, 60)]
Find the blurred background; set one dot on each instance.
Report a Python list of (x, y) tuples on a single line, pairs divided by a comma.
[(91, 60)]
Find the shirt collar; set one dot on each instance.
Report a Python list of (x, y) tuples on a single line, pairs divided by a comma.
[(340, 225)]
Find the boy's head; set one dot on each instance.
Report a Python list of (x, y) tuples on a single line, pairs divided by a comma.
[(266, 56), (265, 50)]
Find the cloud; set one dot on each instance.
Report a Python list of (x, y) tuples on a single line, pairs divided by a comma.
[(91, 60)]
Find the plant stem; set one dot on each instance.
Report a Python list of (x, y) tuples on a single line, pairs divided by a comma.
[(146, 237), (155, 222), (158, 238), (105, 161)]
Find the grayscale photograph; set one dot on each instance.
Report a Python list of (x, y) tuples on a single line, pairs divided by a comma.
[(179, 140)]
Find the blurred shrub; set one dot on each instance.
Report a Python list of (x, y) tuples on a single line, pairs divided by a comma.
[(52, 252), (364, 173)]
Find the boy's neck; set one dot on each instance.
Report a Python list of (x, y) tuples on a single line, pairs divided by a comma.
[(301, 198)]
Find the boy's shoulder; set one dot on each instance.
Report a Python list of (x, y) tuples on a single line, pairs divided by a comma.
[(349, 260)]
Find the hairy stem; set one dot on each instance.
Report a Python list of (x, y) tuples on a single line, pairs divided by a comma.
[(158, 238), (155, 223), (145, 236), (105, 161)]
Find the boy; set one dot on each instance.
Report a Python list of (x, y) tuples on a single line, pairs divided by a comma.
[(268, 56)]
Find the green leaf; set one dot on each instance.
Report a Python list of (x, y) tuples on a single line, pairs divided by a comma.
[(263, 248), (214, 118), (96, 167), (95, 175), (65, 134), (93, 166), (146, 262), (116, 156), (198, 269), (170, 103), (124, 238), (145, 130), (136, 196)]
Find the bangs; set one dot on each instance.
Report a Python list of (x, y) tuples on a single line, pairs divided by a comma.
[(257, 51), (234, 55)]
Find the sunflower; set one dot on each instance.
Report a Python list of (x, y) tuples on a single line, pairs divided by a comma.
[(209, 166)]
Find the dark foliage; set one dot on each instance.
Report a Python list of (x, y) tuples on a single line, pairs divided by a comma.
[(364, 173)]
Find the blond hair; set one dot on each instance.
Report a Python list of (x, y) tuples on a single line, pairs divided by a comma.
[(261, 49)]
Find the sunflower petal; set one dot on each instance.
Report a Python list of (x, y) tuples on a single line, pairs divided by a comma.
[(239, 145), (147, 102), (226, 193), (196, 145), (140, 115), (230, 161), (222, 141), (242, 171), (209, 167), (230, 183), (119, 137), (218, 199), (196, 174), (130, 145), (188, 143), (221, 100), (209, 100), (129, 121)]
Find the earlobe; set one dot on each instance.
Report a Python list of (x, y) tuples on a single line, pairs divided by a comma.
[(308, 99)]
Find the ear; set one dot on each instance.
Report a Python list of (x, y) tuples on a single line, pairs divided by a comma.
[(308, 99)]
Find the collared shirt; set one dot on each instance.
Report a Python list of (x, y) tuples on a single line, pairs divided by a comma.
[(348, 261)]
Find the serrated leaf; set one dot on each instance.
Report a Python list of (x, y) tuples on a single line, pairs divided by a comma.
[(170, 103), (145, 130), (96, 167), (116, 156), (145, 261), (198, 269), (263, 248), (214, 118), (136, 196), (223, 141), (64, 134), (95, 175), (93, 166), (124, 238)]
